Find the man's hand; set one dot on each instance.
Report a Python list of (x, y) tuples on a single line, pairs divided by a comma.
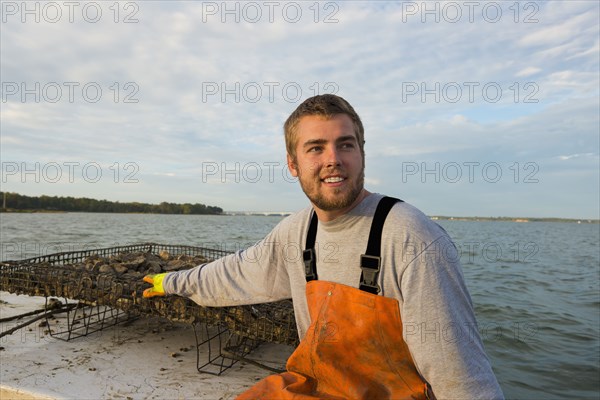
[(157, 288)]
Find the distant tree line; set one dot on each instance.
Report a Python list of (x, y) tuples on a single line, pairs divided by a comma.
[(17, 202)]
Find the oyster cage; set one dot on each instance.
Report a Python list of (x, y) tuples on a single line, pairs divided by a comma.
[(107, 285)]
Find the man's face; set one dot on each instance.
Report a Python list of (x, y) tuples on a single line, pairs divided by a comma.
[(328, 163)]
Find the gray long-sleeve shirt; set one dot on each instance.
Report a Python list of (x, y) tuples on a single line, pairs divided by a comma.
[(420, 268)]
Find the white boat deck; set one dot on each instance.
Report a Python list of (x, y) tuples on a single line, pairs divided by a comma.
[(139, 360)]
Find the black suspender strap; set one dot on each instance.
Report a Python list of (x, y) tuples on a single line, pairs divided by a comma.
[(370, 262), (309, 256)]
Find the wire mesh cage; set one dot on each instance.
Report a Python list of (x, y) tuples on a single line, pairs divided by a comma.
[(107, 283)]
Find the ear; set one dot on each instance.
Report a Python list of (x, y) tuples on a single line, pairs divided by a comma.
[(292, 166)]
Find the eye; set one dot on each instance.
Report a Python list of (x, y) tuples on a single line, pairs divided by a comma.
[(314, 149), (347, 145)]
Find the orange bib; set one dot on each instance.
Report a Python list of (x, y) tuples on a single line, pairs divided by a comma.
[(352, 350)]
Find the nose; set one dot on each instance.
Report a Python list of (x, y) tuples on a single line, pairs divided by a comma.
[(332, 157)]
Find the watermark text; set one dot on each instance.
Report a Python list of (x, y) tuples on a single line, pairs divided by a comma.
[(469, 171), (470, 11), (52, 12), (68, 171), (253, 92), (54, 92), (454, 92), (270, 11), (250, 172)]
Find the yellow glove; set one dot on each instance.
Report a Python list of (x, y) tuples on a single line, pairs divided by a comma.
[(156, 281)]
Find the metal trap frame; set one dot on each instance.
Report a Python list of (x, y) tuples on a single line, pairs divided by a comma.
[(85, 319), (218, 349), (223, 335)]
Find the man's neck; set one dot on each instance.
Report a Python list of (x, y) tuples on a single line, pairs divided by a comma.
[(326, 216)]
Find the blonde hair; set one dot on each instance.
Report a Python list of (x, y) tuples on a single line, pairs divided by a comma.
[(326, 106)]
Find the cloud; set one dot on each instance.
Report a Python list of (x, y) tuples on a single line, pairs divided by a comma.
[(185, 87), (528, 71), (571, 156)]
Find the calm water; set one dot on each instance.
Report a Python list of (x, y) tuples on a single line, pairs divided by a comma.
[(535, 285)]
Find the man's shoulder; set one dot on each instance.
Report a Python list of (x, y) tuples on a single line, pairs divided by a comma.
[(401, 213), (410, 221), (299, 215), (409, 213), (295, 221), (402, 210)]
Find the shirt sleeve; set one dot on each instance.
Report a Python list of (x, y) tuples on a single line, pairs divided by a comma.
[(440, 328), (254, 275)]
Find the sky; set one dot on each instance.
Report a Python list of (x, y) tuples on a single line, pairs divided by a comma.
[(475, 108)]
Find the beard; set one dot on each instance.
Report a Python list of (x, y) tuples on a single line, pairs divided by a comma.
[(340, 197)]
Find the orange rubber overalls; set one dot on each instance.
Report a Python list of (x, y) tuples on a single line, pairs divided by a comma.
[(353, 348)]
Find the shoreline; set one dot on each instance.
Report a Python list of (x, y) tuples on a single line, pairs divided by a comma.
[(284, 214), (517, 219), (42, 211)]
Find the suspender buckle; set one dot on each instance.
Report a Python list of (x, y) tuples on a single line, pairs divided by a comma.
[(370, 266), (309, 264)]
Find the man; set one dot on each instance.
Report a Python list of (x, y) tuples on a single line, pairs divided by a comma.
[(392, 321)]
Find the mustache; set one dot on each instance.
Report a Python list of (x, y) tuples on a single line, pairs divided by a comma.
[(332, 171), (323, 171)]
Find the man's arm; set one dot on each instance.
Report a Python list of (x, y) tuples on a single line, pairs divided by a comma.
[(440, 327), (254, 275)]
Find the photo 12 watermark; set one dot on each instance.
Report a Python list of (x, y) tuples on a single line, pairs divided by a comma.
[(71, 92), (471, 252), (491, 12), (469, 172), (435, 332), (252, 12), (248, 172), (69, 172), (496, 252), (254, 92), (17, 250), (53, 12), (454, 92)]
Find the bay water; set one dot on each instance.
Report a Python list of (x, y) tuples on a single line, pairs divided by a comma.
[(535, 286)]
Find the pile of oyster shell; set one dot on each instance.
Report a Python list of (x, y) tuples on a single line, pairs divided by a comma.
[(139, 264)]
